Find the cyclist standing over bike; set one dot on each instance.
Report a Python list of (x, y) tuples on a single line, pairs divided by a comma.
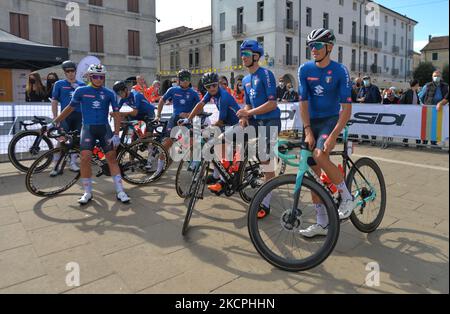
[(184, 99), (227, 107), (261, 109), (325, 87), (62, 93), (142, 109), (94, 102)]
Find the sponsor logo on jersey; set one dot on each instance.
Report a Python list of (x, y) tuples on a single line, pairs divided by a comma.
[(313, 79), (96, 105), (330, 72), (182, 101), (329, 79), (318, 90), (89, 96), (67, 87)]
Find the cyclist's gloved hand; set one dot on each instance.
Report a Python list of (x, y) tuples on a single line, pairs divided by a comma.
[(115, 141), (185, 121)]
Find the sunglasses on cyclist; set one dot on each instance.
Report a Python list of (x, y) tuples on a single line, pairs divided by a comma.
[(317, 46), (246, 53), (98, 77), (211, 85), (185, 79), (69, 71)]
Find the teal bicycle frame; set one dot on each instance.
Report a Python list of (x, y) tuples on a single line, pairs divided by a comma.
[(305, 169)]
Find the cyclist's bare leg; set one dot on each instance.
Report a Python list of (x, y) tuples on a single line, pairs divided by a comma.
[(86, 171), (111, 158), (332, 171)]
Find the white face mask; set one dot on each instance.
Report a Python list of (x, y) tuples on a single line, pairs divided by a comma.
[(174, 84)]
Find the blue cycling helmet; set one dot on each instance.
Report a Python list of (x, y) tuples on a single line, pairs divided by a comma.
[(253, 46)]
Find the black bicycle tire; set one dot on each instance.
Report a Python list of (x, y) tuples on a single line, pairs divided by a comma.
[(194, 197)]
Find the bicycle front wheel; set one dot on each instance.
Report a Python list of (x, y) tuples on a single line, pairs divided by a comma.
[(25, 148), (277, 237), (45, 179), (139, 161), (366, 181), (198, 183)]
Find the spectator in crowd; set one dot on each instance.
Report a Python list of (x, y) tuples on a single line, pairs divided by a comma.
[(281, 88), (223, 82), (442, 103), (290, 95), (153, 92), (411, 96), (356, 88), (433, 93), (35, 91), (238, 93), (141, 84), (52, 78), (391, 97), (369, 93)]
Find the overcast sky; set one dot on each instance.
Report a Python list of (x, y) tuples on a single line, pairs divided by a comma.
[(432, 15)]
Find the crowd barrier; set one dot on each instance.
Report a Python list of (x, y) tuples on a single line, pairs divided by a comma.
[(382, 124)]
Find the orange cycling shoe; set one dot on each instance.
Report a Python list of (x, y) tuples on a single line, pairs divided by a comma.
[(216, 188)]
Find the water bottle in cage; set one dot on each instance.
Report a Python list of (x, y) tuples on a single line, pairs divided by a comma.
[(350, 148), (327, 181)]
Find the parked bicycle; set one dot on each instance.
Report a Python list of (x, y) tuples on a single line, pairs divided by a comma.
[(277, 238)]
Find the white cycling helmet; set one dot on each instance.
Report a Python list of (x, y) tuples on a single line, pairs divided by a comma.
[(96, 69), (321, 35)]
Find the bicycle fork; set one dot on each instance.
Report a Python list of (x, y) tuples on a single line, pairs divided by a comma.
[(303, 169)]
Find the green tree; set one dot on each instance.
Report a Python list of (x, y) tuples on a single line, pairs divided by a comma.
[(445, 74), (424, 72)]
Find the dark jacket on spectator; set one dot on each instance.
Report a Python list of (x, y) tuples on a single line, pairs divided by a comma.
[(395, 101), (408, 98), (280, 92), (429, 95), (372, 94), (290, 97)]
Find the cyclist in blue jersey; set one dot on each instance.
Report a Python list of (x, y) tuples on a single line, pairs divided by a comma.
[(184, 98), (227, 107), (261, 109), (142, 110), (324, 89), (62, 93), (94, 101)]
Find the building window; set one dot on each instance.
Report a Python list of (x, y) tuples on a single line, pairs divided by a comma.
[(385, 38), (260, 10), (353, 65), (365, 59), (403, 25), (96, 38), (341, 2), (385, 62), (395, 22), (402, 44), (19, 25), (409, 27), (355, 6), (340, 55), (172, 61), (394, 39), (222, 53), (435, 56), (197, 41), (401, 65), (134, 47), (308, 17), (222, 22), (60, 33), (191, 58), (240, 20), (133, 6), (197, 58), (290, 14), (386, 19), (98, 3), (326, 20), (289, 59), (260, 40), (341, 25)]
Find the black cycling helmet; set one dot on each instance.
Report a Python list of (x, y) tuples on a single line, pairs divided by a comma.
[(119, 86), (210, 78), (321, 35), (68, 65), (184, 75)]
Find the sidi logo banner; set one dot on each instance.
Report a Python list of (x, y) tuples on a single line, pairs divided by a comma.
[(379, 118)]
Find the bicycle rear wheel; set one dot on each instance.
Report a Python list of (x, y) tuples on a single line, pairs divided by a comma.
[(198, 183), (38, 180), (183, 180), (138, 162), (366, 181), (23, 149), (277, 238)]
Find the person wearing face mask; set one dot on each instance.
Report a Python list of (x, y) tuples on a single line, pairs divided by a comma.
[(281, 88), (369, 93), (433, 93), (35, 91), (52, 78), (356, 88), (291, 95), (239, 93), (391, 97)]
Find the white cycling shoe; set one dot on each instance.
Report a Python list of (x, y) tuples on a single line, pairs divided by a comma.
[(85, 199), (314, 231), (54, 173), (123, 197), (347, 207), (74, 167)]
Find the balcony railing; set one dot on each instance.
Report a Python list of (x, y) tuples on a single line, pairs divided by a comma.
[(375, 69), (395, 72), (290, 25), (395, 50), (354, 67), (369, 43), (290, 60), (239, 30)]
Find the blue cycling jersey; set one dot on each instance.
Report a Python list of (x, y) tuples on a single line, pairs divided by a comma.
[(63, 91), (325, 89), (227, 106), (94, 104), (260, 87), (184, 100), (138, 101)]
